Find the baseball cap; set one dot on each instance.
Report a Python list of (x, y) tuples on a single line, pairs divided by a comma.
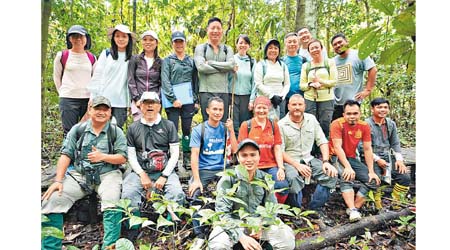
[(149, 33), (246, 142), (122, 28), (149, 95), (178, 35), (99, 100), (77, 29)]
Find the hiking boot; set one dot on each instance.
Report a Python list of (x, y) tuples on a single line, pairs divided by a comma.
[(353, 214)]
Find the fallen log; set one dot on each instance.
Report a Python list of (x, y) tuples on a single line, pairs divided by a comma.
[(337, 233)]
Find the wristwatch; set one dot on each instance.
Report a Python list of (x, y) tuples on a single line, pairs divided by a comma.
[(326, 161)]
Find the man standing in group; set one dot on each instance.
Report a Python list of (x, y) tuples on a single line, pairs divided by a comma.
[(90, 148), (345, 134), (294, 63), (214, 61), (208, 144), (304, 37), (300, 131), (153, 150), (350, 74)]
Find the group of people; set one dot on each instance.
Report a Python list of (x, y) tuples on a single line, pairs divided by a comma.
[(295, 118)]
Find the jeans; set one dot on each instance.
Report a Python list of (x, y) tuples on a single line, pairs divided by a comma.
[(132, 189), (278, 184)]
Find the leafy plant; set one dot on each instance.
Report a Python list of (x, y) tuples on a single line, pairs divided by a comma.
[(406, 223), (50, 231)]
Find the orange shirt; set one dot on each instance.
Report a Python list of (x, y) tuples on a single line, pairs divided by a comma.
[(265, 139), (350, 135)]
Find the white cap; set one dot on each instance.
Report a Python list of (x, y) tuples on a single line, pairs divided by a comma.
[(149, 33)]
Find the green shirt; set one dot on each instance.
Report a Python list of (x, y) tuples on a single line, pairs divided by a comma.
[(298, 142), (70, 144), (213, 75), (251, 194)]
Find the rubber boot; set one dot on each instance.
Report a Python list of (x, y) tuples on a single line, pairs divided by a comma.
[(398, 193), (377, 199), (50, 242), (186, 152), (111, 227)]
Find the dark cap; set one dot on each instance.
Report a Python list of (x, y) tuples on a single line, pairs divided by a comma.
[(246, 142), (99, 100), (178, 35)]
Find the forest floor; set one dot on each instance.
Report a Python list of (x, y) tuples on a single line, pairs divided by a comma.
[(388, 235)]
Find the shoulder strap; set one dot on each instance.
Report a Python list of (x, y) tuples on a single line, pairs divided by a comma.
[(108, 52), (204, 50), (111, 137), (308, 68), (273, 126), (79, 135), (64, 57), (264, 67), (91, 57), (249, 126)]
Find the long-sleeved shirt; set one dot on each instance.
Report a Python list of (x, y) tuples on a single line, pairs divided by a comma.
[(328, 81), (213, 68), (110, 80), (384, 138), (175, 71), (275, 81), (77, 74), (244, 84), (143, 78), (251, 194)]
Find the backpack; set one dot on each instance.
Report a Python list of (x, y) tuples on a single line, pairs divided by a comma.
[(205, 47), (65, 56), (79, 135), (249, 126), (326, 66)]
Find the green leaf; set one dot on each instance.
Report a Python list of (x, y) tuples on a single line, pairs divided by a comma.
[(44, 218), (237, 200), (385, 6), (124, 244), (74, 248), (159, 207), (163, 222), (136, 220), (405, 23), (394, 52), (370, 44), (52, 231), (360, 35), (124, 203)]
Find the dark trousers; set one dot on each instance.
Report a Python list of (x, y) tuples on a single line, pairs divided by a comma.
[(72, 110), (121, 116), (204, 97), (240, 111), (186, 112)]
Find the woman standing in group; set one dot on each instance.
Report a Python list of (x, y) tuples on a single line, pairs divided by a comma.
[(244, 92), (318, 79), (272, 79), (144, 71), (110, 75), (266, 133), (72, 71), (177, 69)]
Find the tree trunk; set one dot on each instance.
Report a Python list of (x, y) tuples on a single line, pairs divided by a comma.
[(311, 11), (46, 8), (287, 17), (336, 234), (300, 15)]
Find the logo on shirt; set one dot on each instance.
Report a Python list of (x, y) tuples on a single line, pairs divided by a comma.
[(358, 134), (344, 74)]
